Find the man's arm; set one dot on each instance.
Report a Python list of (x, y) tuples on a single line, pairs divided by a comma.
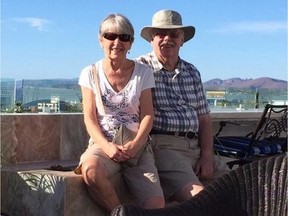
[(205, 164)]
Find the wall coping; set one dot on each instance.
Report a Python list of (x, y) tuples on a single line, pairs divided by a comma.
[(247, 115)]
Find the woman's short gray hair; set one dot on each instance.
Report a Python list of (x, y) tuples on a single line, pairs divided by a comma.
[(117, 23)]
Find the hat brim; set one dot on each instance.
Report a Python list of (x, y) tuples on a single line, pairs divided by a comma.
[(189, 31)]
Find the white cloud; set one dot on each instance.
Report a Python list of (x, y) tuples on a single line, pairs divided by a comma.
[(253, 27), (34, 22)]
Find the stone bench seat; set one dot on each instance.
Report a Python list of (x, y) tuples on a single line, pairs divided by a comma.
[(34, 189)]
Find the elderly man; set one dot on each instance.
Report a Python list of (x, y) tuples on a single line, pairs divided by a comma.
[(182, 138)]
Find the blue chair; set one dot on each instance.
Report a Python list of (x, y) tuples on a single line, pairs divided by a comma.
[(268, 138)]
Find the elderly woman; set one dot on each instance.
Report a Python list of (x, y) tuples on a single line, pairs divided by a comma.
[(117, 93)]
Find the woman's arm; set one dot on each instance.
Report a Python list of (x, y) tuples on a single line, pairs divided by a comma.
[(146, 116), (91, 122), (146, 122)]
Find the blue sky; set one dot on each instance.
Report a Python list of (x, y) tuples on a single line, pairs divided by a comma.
[(57, 38)]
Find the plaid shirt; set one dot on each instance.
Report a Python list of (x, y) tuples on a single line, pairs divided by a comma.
[(178, 97)]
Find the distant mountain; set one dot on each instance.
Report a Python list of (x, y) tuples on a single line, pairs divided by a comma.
[(214, 84), (259, 83)]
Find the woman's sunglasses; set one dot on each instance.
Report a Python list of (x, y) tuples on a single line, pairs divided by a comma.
[(122, 37)]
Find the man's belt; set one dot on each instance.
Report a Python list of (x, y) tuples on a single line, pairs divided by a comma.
[(189, 134)]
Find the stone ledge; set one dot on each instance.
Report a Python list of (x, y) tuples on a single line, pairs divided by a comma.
[(47, 192), (39, 165)]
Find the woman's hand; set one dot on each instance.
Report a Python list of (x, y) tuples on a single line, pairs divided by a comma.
[(114, 152), (130, 149)]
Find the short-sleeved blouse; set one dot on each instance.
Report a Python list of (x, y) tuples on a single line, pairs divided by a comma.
[(120, 107)]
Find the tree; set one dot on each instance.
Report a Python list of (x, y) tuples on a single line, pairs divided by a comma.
[(18, 107)]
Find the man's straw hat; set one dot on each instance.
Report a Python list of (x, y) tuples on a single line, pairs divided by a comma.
[(167, 19)]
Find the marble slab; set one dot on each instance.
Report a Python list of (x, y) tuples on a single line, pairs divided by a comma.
[(32, 138)]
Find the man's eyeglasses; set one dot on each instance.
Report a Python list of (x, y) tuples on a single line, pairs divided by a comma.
[(122, 37), (164, 33)]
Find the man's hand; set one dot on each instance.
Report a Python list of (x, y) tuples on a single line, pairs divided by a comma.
[(204, 167)]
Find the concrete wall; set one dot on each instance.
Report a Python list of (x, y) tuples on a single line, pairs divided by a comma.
[(53, 137)]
